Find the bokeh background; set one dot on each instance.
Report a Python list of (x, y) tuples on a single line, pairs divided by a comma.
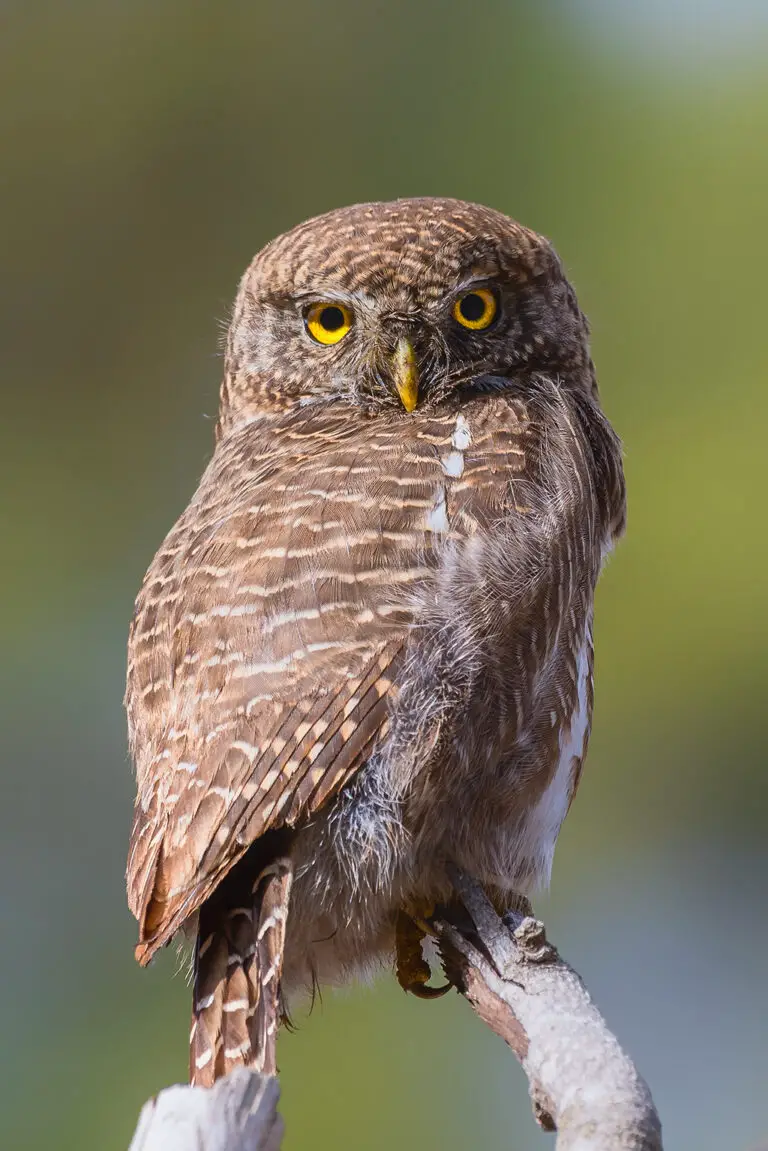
[(146, 151)]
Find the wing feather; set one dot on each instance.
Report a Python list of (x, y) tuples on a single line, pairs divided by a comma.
[(269, 633)]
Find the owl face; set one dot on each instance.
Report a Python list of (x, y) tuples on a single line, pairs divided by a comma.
[(397, 306)]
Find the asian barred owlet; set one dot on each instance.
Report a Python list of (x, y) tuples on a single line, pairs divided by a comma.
[(364, 652)]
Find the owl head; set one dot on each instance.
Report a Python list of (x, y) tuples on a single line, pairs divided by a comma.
[(398, 306)]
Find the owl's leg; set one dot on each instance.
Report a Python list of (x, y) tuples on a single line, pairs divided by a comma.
[(413, 971), (238, 961), (505, 902)]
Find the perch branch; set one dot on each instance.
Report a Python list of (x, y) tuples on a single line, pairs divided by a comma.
[(582, 1084), (238, 1114)]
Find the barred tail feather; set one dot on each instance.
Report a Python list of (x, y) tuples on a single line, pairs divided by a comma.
[(238, 962)]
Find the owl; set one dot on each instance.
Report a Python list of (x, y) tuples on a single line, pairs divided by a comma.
[(363, 655)]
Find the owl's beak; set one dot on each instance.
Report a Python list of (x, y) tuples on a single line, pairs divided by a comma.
[(406, 374)]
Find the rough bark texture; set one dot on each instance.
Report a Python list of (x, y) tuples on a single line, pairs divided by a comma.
[(238, 1114), (582, 1084)]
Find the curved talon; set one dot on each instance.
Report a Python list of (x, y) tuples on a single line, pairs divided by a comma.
[(413, 971), (424, 991)]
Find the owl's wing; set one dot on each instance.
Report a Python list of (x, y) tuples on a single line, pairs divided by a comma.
[(264, 649)]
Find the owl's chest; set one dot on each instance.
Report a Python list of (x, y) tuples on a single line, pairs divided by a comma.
[(362, 522), (463, 464)]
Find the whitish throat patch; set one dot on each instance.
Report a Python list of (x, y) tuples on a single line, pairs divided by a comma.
[(452, 464)]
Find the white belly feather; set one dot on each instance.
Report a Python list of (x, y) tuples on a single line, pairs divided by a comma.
[(544, 820)]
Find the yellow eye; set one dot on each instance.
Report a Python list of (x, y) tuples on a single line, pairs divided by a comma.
[(328, 323), (475, 309)]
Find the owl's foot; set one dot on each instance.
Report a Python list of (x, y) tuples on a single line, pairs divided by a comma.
[(413, 971)]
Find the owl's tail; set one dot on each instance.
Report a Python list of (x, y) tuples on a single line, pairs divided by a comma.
[(238, 962)]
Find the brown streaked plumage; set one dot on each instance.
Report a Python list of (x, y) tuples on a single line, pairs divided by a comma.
[(364, 651)]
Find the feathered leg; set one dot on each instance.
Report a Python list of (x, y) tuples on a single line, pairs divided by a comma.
[(238, 961)]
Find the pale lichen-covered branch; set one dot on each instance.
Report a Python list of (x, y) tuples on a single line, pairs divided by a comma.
[(582, 1084), (238, 1114)]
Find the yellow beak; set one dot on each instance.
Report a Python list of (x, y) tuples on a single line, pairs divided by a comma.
[(406, 375)]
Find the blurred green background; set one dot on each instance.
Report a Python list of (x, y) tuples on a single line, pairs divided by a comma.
[(146, 151)]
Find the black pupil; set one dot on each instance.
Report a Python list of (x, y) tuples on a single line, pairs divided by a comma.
[(472, 307), (332, 319)]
